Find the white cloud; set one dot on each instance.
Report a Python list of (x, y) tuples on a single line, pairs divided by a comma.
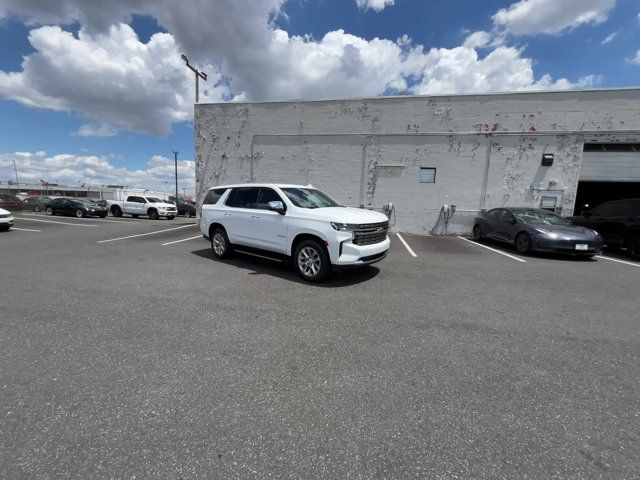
[(478, 39), (111, 78), (90, 130), (636, 59), (609, 38), (377, 5), (532, 17), (67, 169)]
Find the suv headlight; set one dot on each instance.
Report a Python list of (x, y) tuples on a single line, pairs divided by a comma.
[(343, 227)]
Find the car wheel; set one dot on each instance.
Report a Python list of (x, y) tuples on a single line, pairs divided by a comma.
[(116, 211), (50, 211), (311, 261), (523, 243), (153, 214), (220, 245), (634, 246), (477, 233), (37, 208), (79, 213)]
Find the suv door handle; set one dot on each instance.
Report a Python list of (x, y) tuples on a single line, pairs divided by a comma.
[(227, 214), (255, 216)]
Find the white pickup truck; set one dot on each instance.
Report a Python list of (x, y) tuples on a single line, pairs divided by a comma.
[(136, 205)]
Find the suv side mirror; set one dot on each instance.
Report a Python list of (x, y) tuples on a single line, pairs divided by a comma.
[(277, 206)]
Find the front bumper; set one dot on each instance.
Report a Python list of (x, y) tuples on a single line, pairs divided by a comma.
[(351, 255), (6, 222), (567, 246)]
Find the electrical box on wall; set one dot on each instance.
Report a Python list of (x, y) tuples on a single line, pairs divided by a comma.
[(547, 159)]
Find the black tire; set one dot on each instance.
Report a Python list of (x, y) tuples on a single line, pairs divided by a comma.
[(220, 244), (50, 211), (153, 214), (135, 215), (79, 213), (311, 261), (634, 246), (37, 208), (523, 243), (116, 211), (477, 233)]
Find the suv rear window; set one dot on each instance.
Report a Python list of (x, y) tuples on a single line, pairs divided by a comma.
[(212, 196), (243, 197)]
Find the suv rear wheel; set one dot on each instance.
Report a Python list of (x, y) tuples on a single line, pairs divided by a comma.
[(220, 245), (311, 261)]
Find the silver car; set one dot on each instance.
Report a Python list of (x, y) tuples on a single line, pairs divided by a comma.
[(531, 229)]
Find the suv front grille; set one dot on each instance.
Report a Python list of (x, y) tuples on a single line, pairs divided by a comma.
[(370, 233)]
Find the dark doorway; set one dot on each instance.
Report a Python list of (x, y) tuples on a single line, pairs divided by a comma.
[(591, 194)]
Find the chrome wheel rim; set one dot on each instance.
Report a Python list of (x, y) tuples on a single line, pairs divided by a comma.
[(218, 244), (309, 261), (78, 213), (49, 211)]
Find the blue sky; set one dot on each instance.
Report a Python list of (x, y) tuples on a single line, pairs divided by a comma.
[(98, 93)]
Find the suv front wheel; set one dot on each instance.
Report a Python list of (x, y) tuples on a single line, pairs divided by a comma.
[(311, 261)]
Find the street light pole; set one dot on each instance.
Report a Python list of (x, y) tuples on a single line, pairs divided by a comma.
[(16, 169), (175, 158), (198, 75)]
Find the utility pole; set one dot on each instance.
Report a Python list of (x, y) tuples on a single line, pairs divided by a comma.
[(198, 75), (175, 157), (16, 169)]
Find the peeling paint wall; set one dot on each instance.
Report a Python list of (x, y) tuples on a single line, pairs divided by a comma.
[(487, 149)]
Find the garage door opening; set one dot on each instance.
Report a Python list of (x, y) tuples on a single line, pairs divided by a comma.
[(609, 171)]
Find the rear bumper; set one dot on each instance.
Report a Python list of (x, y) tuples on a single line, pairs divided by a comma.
[(568, 246)]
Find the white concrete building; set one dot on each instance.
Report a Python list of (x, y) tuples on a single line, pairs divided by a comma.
[(474, 151)]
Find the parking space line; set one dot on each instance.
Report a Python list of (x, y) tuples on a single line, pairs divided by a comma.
[(25, 229), (85, 218), (494, 250), (413, 254), (145, 234), (183, 240), (59, 223), (619, 261)]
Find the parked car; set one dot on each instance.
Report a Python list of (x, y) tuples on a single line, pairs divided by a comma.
[(10, 202), (6, 219), (296, 222), (531, 229), (37, 204), (136, 205), (617, 221), (78, 207), (186, 209)]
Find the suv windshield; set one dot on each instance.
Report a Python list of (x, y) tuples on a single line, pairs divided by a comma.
[(540, 217), (309, 198)]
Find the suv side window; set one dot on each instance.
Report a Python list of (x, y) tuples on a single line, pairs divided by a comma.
[(243, 197), (267, 195), (134, 199), (213, 196)]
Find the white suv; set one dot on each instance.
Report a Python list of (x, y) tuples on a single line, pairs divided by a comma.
[(294, 221)]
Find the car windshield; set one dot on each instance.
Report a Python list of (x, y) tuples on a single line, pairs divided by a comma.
[(309, 198), (154, 200), (540, 217)]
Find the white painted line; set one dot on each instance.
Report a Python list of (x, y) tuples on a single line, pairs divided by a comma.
[(59, 223), (619, 261), (183, 240), (25, 229), (413, 254), (494, 250), (100, 220), (145, 234)]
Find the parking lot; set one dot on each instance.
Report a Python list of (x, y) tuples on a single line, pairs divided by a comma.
[(127, 351)]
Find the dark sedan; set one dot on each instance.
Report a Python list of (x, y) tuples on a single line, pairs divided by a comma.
[(531, 229), (186, 209), (75, 206), (617, 221), (10, 202), (37, 203)]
